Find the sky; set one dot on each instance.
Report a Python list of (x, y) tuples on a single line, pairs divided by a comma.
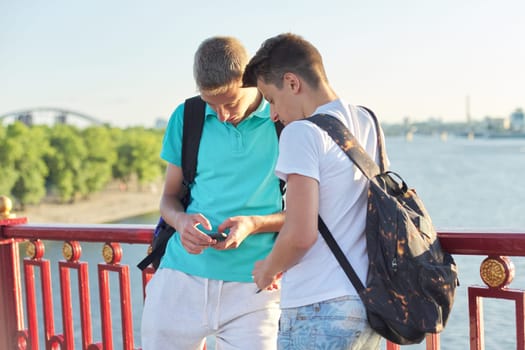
[(129, 62)]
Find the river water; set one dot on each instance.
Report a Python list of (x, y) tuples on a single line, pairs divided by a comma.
[(465, 184)]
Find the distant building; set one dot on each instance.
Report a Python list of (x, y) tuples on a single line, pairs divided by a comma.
[(496, 124), (517, 120), (161, 123)]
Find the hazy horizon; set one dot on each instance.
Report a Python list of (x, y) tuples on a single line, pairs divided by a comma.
[(129, 62)]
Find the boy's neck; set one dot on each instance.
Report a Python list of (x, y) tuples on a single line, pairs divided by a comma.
[(316, 98), (255, 104)]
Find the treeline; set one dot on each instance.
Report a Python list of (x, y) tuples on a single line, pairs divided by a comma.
[(71, 163)]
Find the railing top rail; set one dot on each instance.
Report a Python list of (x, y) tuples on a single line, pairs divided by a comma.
[(499, 242), (124, 233), (508, 242)]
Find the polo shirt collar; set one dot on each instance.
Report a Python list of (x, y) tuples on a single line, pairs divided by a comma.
[(260, 112)]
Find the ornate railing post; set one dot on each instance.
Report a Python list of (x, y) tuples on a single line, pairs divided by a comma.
[(497, 272), (11, 313)]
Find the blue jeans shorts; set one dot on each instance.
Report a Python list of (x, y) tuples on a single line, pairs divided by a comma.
[(338, 323)]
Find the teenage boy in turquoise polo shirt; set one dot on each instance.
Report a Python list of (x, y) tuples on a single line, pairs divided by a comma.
[(204, 286)]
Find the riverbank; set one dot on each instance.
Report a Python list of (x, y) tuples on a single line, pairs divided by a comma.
[(109, 205)]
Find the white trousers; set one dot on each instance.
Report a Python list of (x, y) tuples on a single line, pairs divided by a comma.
[(180, 311)]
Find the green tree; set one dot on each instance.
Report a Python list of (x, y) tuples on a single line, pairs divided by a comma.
[(146, 164), (122, 168), (138, 155), (9, 173), (67, 177), (25, 149), (101, 155)]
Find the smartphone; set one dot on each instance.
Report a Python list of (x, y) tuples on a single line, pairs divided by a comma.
[(218, 236)]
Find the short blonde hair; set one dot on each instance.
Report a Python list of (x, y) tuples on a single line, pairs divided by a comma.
[(219, 64)]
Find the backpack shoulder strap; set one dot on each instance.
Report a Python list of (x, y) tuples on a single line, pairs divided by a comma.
[(278, 128), (380, 139), (194, 109), (339, 255), (282, 185), (347, 142)]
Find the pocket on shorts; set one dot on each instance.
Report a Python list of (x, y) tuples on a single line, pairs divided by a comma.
[(338, 323)]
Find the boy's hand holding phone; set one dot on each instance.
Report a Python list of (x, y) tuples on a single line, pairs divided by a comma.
[(219, 236)]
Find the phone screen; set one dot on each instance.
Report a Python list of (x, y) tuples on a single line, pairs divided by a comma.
[(218, 236)]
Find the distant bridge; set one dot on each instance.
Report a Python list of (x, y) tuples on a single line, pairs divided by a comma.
[(53, 114)]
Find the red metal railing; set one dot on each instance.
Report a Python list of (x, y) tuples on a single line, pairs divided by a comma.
[(14, 334), (497, 272)]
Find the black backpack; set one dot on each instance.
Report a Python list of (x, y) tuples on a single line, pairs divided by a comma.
[(194, 114), (411, 281)]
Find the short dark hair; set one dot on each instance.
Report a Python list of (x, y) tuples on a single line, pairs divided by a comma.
[(281, 54)]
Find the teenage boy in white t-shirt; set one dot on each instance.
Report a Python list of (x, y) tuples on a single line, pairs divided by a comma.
[(319, 305)]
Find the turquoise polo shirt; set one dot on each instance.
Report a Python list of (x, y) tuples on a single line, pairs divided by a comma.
[(235, 176)]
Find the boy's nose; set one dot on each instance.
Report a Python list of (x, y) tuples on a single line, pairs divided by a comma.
[(223, 114)]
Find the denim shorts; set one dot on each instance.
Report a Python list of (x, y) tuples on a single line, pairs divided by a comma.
[(338, 323)]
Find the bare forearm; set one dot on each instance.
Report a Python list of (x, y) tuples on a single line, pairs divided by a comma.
[(268, 223), (287, 251), (170, 207), (299, 232)]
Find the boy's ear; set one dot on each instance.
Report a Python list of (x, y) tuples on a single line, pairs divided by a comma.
[(292, 81)]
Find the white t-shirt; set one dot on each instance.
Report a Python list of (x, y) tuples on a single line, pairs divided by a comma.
[(307, 150)]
